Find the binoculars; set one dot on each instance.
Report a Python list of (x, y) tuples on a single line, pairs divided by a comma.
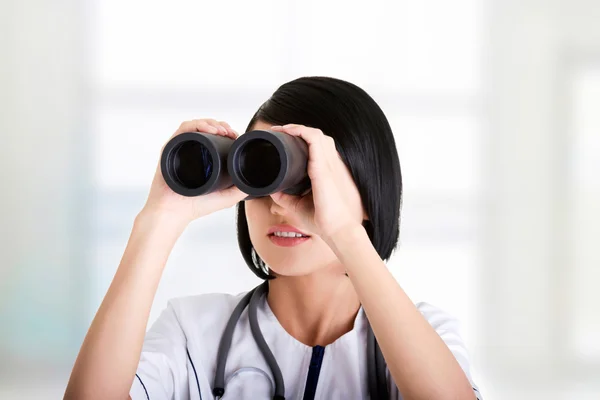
[(259, 163)]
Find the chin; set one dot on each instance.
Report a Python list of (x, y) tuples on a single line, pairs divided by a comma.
[(290, 266), (301, 260), (289, 272), (297, 264)]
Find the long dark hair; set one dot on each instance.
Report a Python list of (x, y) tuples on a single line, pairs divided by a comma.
[(365, 141)]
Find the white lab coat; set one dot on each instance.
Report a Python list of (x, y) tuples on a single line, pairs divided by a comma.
[(179, 354)]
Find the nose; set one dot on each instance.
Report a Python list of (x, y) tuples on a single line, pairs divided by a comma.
[(277, 209)]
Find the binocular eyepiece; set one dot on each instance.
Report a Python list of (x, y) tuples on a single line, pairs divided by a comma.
[(259, 163)]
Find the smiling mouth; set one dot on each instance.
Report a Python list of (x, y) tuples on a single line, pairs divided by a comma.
[(288, 234), (288, 239)]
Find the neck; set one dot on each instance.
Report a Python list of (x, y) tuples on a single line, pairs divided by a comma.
[(315, 309)]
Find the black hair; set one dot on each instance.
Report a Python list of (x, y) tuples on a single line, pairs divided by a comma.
[(365, 141)]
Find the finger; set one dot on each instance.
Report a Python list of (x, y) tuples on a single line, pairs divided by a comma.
[(216, 124), (196, 125), (336, 160), (330, 142), (310, 135), (292, 127), (286, 200), (307, 132), (232, 133), (317, 147), (190, 126)]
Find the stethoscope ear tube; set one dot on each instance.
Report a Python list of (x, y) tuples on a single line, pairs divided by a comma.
[(225, 344), (262, 344), (250, 300)]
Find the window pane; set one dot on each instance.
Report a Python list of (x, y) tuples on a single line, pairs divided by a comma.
[(442, 273), (189, 42), (203, 260), (439, 155), (412, 45)]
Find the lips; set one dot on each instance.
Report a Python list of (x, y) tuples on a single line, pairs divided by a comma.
[(285, 229), (287, 241)]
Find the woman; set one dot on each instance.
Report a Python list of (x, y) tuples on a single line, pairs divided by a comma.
[(326, 285)]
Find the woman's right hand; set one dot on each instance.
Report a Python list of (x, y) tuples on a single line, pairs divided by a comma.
[(110, 354), (165, 201)]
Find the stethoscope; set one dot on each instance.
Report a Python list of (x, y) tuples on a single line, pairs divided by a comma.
[(376, 364)]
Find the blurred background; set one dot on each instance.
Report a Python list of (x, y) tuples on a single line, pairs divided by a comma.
[(494, 104)]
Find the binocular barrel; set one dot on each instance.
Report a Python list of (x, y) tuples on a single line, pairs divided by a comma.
[(259, 163), (194, 164)]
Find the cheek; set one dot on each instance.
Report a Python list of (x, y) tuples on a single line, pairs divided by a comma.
[(257, 215)]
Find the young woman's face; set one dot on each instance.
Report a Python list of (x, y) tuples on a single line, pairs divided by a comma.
[(285, 256)]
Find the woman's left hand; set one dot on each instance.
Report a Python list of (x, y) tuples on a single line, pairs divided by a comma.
[(334, 202)]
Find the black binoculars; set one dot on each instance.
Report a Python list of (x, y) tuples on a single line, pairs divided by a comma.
[(259, 163)]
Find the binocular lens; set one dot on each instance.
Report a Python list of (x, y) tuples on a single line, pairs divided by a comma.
[(259, 163), (191, 164)]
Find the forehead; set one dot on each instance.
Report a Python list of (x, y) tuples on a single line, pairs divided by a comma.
[(260, 125)]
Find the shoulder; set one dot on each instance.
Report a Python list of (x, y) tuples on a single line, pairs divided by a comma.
[(439, 319), (445, 324), (207, 308), (202, 315), (448, 328)]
